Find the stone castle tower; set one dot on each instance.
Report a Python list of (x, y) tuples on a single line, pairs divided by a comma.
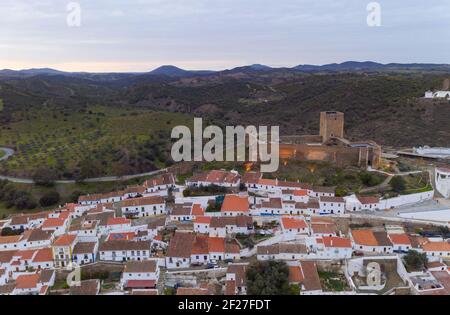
[(331, 125)]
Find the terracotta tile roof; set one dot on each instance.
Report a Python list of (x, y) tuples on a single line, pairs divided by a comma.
[(364, 237), (319, 228), (444, 169), (65, 240), (43, 255), (87, 287), (293, 223), (6, 256), (136, 202), (53, 223), (26, 254), (235, 203), (296, 274), (273, 203), (203, 220), (163, 179), (382, 239), (334, 242), (200, 245), (232, 247), (118, 221), (366, 200), (197, 210), (400, 239), (268, 182), (332, 199), (239, 271), (141, 266), (10, 239), (38, 235), (216, 176), (45, 276), (84, 248), (230, 287), (239, 221), (216, 245), (180, 244), (27, 281), (251, 177), (436, 247), (311, 280), (300, 192)]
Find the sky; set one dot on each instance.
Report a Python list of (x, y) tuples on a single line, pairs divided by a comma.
[(140, 35)]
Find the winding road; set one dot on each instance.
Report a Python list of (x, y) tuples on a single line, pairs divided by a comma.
[(9, 152)]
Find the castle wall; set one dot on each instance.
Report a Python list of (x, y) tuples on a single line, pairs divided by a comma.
[(341, 156)]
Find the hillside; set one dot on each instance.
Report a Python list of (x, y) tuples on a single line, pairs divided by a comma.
[(111, 124)]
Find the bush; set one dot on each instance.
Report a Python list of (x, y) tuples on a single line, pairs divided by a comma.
[(398, 184), (268, 278), (370, 179), (415, 261), (49, 199)]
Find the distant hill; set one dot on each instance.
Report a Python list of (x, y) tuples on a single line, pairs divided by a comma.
[(370, 65), (172, 71)]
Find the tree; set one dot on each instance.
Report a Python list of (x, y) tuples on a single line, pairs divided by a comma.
[(268, 278), (398, 184), (49, 199), (415, 260), (44, 176)]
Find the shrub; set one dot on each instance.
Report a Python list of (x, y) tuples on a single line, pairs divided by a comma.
[(49, 199)]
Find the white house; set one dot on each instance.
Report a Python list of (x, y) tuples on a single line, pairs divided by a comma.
[(140, 275), (186, 212), (370, 241), (442, 180), (437, 94), (293, 226), (144, 207), (332, 205), (85, 252), (124, 250), (437, 250), (234, 205), (215, 177)]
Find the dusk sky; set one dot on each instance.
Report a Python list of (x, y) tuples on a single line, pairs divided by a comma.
[(139, 35)]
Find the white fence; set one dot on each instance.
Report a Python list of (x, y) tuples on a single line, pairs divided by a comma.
[(406, 200)]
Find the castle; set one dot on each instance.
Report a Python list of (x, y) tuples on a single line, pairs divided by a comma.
[(331, 146)]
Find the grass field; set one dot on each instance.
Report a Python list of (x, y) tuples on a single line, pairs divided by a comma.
[(106, 141)]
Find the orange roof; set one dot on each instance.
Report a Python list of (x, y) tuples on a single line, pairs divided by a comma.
[(53, 222), (27, 281), (203, 220), (197, 210), (200, 245), (337, 242), (216, 245), (436, 247), (25, 254), (43, 255), (364, 237), (292, 223), (117, 221), (300, 192), (235, 203), (10, 239), (268, 182), (402, 239), (296, 274), (65, 240)]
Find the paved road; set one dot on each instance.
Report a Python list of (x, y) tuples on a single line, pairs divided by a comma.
[(88, 180)]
